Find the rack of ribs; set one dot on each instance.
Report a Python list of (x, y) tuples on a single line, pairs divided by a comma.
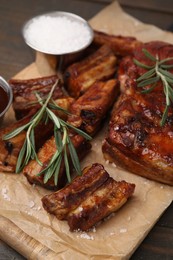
[(136, 140), (88, 199)]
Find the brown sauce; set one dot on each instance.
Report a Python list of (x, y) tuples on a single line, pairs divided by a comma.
[(3, 99)]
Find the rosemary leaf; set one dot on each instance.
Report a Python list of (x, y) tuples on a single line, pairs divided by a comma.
[(147, 75), (57, 169), (53, 117), (165, 60), (149, 81), (16, 132), (21, 158), (166, 73), (149, 55), (67, 168), (79, 131), (164, 66), (164, 116), (142, 65), (74, 157), (145, 91), (54, 106)]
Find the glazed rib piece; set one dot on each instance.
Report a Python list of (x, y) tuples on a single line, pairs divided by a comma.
[(88, 198), (135, 139), (120, 45), (101, 65), (45, 154), (108, 198), (23, 92), (61, 202), (9, 149), (90, 109)]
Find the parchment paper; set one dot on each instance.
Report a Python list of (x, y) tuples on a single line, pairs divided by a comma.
[(39, 235)]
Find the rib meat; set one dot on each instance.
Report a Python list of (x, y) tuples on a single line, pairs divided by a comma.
[(88, 198), (120, 45), (90, 109), (108, 198), (135, 139), (24, 96), (62, 202), (9, 149), (101, 65), (32, 170)]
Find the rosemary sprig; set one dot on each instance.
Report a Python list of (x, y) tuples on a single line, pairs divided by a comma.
[(62, 140), (157, 72)]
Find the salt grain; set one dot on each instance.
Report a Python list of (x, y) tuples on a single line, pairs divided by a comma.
[(86, 236), (123, 230), (4, 194), (31, 204), (57, 35)]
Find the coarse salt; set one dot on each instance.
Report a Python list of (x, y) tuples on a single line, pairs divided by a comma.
[(123, 230), (86, 236), (31, 204), (57, 35)]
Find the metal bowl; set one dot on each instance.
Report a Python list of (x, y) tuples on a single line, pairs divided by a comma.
[(8, 89), (30, 42)]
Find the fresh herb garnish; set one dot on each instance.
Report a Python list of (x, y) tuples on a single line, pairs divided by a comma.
[(157, 71), (62, 140)]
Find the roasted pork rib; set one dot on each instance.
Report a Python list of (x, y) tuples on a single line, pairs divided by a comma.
[(32, 170), (101, 65), (9, 149), (62, 202), (135, 139), (120, 45), (24, 93), (88, 199), (90, 109)]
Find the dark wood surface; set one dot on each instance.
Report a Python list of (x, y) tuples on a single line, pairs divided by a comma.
[(15, 55)]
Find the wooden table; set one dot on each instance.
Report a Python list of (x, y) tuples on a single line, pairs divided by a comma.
[(15, 55)]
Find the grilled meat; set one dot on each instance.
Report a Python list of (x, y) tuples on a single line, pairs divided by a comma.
[(32, 170), (135, 140), (9, 149), (24, 96), (108, 198), (120, 45), (100, 65), (90, 109), (62, 202), (89, 198)]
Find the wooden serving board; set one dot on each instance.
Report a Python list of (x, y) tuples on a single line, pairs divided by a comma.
[(37, 235)]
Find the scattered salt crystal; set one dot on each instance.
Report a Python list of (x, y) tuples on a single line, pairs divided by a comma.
[(129, 218), (93, 230), (39, 208), (107, 162), (4, 194), (112, 233), (123, 230), (86, 236), (114, 165), (31, 204), (80, 209), (161, 187), (57, 34)]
